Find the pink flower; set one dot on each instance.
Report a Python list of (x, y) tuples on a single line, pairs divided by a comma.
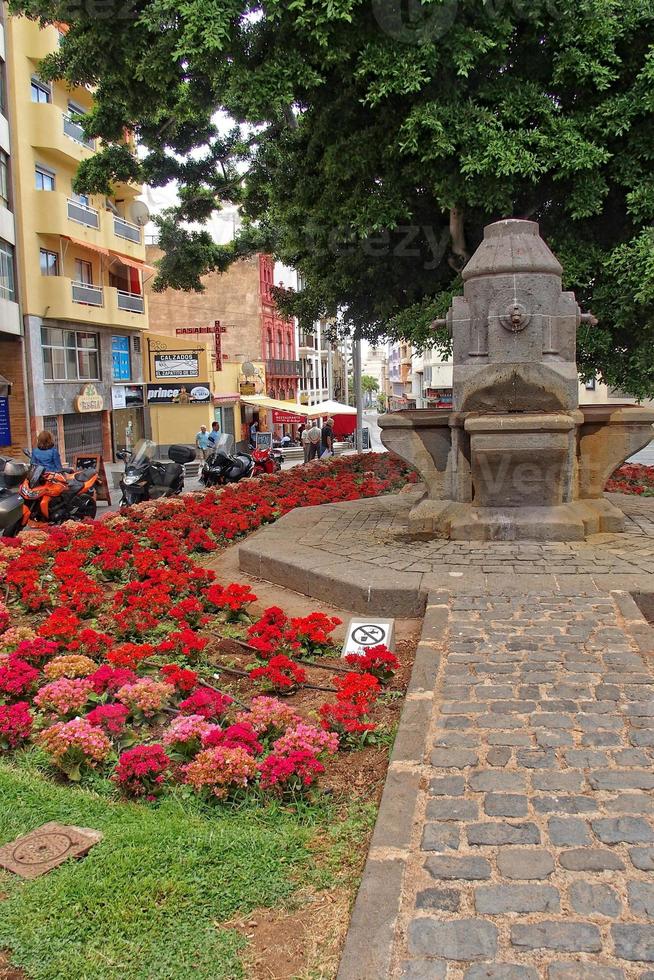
[(64, 696), (146, 696), (186, 733), (221, 771), (74, 744), (306, 738), (268, 716)]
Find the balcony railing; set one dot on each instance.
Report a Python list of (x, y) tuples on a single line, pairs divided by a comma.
[(83, 214), (125, 229), (84, 292), (283, 369), (133, 302), (76, 132)]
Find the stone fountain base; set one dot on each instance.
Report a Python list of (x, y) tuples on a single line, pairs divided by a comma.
[(536, 476)]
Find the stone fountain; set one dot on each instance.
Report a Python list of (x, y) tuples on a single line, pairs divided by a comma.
[(517, 458)]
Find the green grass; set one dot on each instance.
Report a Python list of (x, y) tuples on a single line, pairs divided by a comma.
[(148, 901)]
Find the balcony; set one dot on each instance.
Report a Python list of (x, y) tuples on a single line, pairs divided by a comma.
[(83, 214), (125, 229), (277, 368), (79, 302), (75, 132), (132, 302), (84, 292)]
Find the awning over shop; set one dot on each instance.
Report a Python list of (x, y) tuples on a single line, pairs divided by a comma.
[(323, 409), (228, 399), (330, 408)]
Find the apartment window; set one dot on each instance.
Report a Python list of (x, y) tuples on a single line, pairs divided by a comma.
[(70, 355), (121, 369), (40, 91), (82, 199), (83, 272), (7, 285), (45, 179), (4, 179), (49, 263)]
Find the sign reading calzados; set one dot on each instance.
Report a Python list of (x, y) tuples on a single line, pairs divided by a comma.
[(181, 365), (179, 394), (89, 400)]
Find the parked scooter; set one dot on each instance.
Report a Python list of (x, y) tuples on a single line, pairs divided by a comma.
[(267, 461), (33, 493), (12, 474), (223, 466), (147, 478)]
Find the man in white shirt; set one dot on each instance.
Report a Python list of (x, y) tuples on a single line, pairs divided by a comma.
[(313, 442)]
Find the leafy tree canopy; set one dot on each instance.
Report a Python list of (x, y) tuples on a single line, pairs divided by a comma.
[(373, 139)]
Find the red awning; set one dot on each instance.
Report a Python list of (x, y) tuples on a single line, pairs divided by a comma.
[(89, 245), (133, 263)]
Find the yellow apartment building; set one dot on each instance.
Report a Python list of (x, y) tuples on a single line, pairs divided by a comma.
[(80, 263)]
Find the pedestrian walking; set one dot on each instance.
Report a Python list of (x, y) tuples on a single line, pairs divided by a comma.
[(213, 435), (313, 440), (254, 428), (202, 442), (327, 439)]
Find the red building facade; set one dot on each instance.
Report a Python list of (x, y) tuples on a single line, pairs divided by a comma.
[(278, 340)]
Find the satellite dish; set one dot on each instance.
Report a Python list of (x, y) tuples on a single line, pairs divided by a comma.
[(139, 213)]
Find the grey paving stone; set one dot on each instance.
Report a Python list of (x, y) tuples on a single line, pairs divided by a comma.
[(455, 740), (525, 863), (563, 804), (590, 859), (511, 739), (452, 868), (453, 939), (622, 779), (568, 831), (447, 786), (489, 782), (423, 970), (445, 899), (452, 808), (453, 758), (641, 898), (588, 898), (498, 757), (583, 971), (642, 858), (631, 803), (440, 837), (506, 805), (558, 782), (629, 830), (633, 942), (500, 971), (581, 937), (500, 833), (585, 758), (536, 759), (499, 899)]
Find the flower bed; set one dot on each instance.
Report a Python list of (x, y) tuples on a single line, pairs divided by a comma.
[(112, 657), (632, 478)]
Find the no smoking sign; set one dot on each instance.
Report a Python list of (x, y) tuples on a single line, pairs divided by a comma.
[(365, 633)]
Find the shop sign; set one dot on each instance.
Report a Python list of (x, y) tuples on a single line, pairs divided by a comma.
[(126, 396), (89, 400), (5, 423), (179, 365), (179, 394), (440, 397), (247, 388), (287, 418)]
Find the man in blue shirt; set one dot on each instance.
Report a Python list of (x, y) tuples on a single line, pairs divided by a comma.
[(203, 442)]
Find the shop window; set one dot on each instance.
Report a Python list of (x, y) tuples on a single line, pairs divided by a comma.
[(49, 263), (44, 179), (7, 284), (121, 370), (40, 91), (70, 355)]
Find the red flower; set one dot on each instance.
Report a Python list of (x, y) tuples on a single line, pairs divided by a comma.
[(183, 679), (282, 674), (239, 736), (378, 661), (297, 770), (363, 688), (206, 702), (129, 655), (17, 677), (108, 679), (142, 771), (110, 717), (15, 724)]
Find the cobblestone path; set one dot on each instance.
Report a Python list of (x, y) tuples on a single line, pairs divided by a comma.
[(532, 852)]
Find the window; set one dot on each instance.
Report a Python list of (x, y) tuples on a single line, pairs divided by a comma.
[(82, 199), (590, 385), (121, 370), (45, 179), (4, 179), (70, 355), (40, 91), (49, 263), (7, 286), (83, 272)]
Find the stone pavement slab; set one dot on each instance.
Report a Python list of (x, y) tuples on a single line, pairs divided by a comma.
[(516, 834)]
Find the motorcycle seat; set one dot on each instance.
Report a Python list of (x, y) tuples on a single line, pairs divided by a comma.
[(240, 466), (85, 475)]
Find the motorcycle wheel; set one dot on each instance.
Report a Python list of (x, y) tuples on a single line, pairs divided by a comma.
[(12, 531)]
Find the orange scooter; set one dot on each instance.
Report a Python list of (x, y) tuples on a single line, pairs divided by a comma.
[(53, 498)]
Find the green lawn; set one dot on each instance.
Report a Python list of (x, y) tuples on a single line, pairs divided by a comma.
[(146, 902)]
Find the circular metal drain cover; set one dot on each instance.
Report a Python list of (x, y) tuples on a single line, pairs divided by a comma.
[(43, 848)]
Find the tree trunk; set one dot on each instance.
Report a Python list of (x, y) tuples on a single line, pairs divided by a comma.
[(460, 254)]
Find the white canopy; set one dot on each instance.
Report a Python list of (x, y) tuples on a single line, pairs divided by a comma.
[(330, 408), (324, 409)]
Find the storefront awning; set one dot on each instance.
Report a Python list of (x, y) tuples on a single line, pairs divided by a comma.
[(90, 245), (227, 399)]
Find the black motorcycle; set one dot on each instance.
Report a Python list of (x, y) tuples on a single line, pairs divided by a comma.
[(12, 475), (147, 478), (223, 466)]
